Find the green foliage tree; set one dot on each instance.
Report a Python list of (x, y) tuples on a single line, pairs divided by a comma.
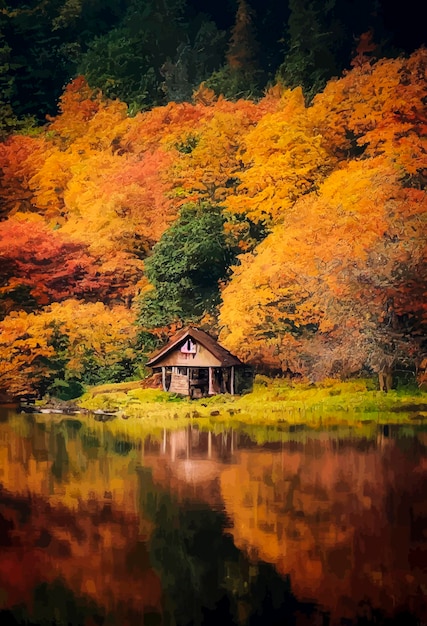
[(321, 39), (126, 62), (7, 121), (123, 68), (44, 40), (185, 268)]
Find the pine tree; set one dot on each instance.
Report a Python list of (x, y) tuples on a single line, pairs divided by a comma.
[(241, 76), (309, 61)]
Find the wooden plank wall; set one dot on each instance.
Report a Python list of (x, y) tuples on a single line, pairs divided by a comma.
[(179, 384)]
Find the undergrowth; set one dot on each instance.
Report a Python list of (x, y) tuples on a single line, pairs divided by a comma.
[(272, 401)]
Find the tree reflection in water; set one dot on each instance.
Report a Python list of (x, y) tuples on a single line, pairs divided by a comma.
[(192, 528)]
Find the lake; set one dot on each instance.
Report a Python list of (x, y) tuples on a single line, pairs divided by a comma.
[(100, 525)]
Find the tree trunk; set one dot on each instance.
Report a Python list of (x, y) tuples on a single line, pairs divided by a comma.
[(385, 378)]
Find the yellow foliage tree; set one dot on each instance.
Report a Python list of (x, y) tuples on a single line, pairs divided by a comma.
[(68, 335), (329, 290), (210, 167), (283, 159)]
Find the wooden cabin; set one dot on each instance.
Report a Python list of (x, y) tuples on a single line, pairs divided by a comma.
[(193, 364)]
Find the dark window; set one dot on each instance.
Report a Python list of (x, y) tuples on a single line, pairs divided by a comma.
[(189, 347)]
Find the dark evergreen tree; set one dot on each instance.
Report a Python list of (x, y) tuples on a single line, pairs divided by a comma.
[(241, 76), (126, 62), (195, 60), (310, 60), (44, 40), (321, 39), (7, 118)]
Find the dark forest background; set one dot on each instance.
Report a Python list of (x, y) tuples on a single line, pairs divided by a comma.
[(150, 52)]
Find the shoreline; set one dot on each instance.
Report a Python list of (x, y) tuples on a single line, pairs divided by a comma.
[(271, 403)]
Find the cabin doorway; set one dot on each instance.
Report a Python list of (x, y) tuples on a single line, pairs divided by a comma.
[(199, 382)]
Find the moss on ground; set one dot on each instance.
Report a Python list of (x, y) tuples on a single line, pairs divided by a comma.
[(272, 402)]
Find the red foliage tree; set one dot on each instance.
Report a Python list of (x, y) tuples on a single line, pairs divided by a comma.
[(40, 266)]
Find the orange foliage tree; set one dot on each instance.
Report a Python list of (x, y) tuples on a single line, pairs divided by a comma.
[(282, 159), (65, 345), (20, 157), (120, 203), (378, 109), (77, 106), (209, 164), (339, 285), (87, 128)]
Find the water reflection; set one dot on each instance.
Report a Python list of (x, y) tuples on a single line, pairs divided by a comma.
[(199, 527)]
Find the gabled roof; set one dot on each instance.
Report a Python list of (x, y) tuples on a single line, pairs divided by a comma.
[(225, 357)]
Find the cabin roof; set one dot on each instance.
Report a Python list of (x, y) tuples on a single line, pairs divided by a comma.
[(221, 354)]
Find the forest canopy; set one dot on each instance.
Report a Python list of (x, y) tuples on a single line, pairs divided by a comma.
[(150, 52), (286, 217)]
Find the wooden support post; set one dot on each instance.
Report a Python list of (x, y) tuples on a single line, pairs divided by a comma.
[(211, 390), (232, 381), (164, 378)]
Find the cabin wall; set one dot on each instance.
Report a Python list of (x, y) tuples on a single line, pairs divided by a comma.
[(179, 384), (202, 358)]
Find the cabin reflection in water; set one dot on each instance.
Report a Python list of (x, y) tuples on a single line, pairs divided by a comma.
[(338, 517), (307, 528), (194, 364)]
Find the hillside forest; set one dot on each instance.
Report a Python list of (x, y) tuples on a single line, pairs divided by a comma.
[(290, 224)]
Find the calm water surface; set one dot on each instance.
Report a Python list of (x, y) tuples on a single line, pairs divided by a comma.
[(101, 526)]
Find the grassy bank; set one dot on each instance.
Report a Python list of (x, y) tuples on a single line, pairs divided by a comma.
[(272, 401)]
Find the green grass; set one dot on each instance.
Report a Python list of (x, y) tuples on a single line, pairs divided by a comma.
[(272, 402)]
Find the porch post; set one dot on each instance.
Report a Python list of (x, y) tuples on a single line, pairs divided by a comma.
[(164, 378), (211, 391), (232, 381)]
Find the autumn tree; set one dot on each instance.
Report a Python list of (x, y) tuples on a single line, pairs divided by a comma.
[(339, 285), (282, 158), (377, 108), (20, 158), (40, 266), (185, 267), (209, 167), (77, 106), (65, 346), (124, 200)]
